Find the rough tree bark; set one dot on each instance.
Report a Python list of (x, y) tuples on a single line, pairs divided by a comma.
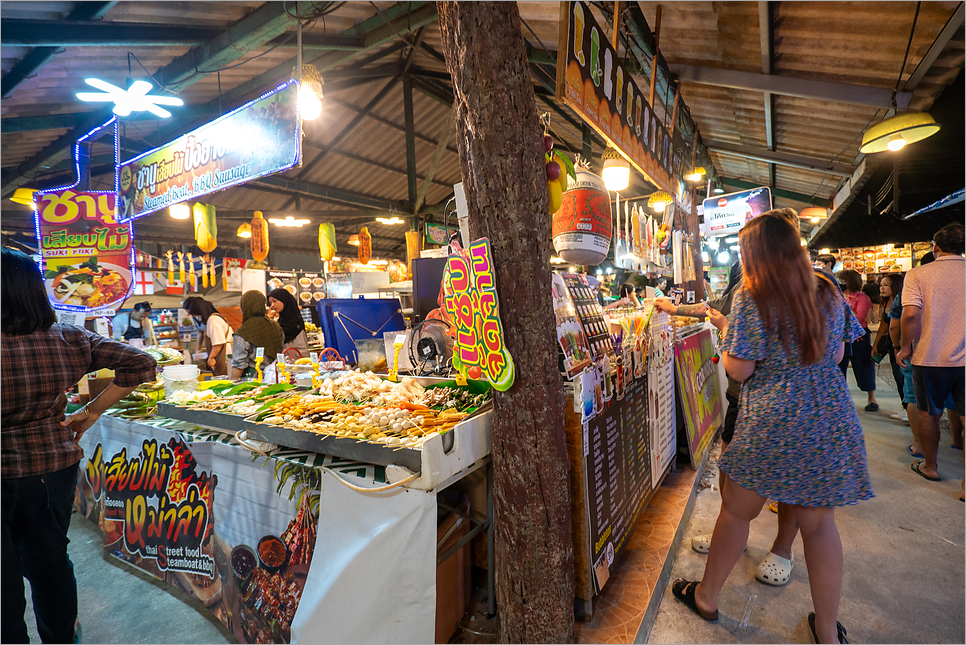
[(502, 161)]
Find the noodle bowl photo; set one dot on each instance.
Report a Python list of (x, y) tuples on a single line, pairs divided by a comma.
[(89, 284)]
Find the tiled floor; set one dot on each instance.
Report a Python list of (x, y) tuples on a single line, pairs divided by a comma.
[(620, 609)]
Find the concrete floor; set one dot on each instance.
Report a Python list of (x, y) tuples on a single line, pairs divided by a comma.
[(119, 604), (904, 556), (904, 567)]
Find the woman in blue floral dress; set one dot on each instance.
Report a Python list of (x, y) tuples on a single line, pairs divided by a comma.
[(798, 438)]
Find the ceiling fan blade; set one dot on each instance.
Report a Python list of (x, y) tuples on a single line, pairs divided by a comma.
[(104, 85), (154, 109), (94, 96), (164, 100), (139, 88)]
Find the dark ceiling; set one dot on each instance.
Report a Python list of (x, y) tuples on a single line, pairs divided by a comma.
[(927, 171)]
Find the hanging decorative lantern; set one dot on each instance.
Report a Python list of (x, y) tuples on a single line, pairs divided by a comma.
[(327, 247), (365, 246), (259, 237), (582, 227), (206, 228)]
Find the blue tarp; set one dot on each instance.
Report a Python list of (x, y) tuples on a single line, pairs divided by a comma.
[(948, 200)]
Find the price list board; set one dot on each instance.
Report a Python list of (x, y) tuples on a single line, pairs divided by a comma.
[(591, 315), (617, 463)]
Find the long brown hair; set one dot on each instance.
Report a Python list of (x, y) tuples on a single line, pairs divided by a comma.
[(786, 290)]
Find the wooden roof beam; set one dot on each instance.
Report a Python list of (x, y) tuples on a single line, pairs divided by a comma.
[(741, 184), (788, 86), (250, 32), (780, 158), (40, 56)]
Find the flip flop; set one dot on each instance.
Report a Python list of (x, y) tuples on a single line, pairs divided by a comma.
[(683, 590), (914, 454), (956, 447), (840, 631), (915, 468)]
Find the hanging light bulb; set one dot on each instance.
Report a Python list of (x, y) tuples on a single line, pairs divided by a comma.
[(179, 211), (696, 174), (310, 93), (245, 230), (617, 172), (353, 240), (897, 131), (659, 201), (724, 257)]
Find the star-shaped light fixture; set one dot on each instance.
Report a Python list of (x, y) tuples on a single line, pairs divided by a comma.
[(133, 99)]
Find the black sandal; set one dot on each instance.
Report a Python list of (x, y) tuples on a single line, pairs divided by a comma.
[(683, 590), (838, 626)]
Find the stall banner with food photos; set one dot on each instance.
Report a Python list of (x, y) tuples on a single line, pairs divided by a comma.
[(472, 303), (210, 519), (698, 380), (260, 138), (86, 257)]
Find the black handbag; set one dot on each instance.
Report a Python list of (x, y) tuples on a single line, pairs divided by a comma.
[(885, 345)]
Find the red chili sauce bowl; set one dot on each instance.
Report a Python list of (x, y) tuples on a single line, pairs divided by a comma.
[(272, 553)]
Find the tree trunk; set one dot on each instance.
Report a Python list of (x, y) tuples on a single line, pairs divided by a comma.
[(502, 161)]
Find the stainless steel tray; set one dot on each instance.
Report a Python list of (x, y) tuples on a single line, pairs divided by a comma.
[(210, 418), (364, 451)]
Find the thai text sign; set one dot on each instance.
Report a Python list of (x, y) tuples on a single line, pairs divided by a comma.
[(158, 504), (728, 214), (698, 380), (471, 302), (591, 80), (258, 139), (87, 259)]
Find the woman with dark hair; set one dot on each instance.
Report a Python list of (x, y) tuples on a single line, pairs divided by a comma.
[(889, 286), (627, 297), (40, 453), (256, 331), (798, 438), (289, 318), (861, 350), (215, 331)]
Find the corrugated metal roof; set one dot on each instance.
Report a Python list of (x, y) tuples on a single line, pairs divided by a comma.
[(858, 43)]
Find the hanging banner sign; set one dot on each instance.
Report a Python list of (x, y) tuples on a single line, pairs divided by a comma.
[(87, 257), (260, 138), (591, 80), (472, 304), (728, 214), (698, 380)]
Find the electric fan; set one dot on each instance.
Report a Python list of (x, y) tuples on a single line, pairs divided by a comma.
[(430, 347)]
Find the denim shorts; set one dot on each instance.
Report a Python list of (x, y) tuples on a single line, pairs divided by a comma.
[(939, 387)]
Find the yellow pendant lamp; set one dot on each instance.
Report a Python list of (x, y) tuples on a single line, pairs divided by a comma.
[(897, 131), (659, 201)]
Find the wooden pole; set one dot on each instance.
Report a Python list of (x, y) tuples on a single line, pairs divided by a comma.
[(657, 38), (674, 112), (501, 148), (617, 25)]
